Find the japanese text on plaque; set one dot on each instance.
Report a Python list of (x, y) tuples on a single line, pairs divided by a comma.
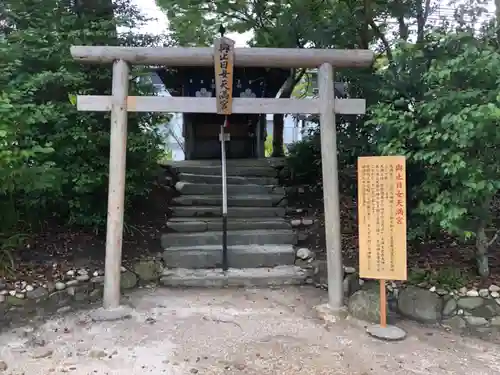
[(382, 217), (224, 60)]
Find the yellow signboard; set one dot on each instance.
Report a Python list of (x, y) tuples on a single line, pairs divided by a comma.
[(382, 217), (224, 63)]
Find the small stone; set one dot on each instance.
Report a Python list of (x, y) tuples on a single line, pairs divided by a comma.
[(495, 295), (494, 288), (97, 354), (82, 272), (123, 269), (361, 282), (82, 278), (307, 222), (441, 292), (97, 279), (295, 222), (3, 366), (472, 293), (455, 322), (95, 274), (304, 253), (72, 282), (60, 285), (484, 293), (20, 295), (29, 288), (462, 291), (299, 210), (432, 289), (349, 269), (460, 312), (193, 371), (470, 303), (63, 309), (70, 273), (449, 307), (476, 320), (37, 293), (50, 286), (12, 292), (41, 353), (4, 292)]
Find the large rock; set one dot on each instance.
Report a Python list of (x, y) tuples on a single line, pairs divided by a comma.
[(351, 284), (128, 280), (365, 305), (148, 270), (420, 305)]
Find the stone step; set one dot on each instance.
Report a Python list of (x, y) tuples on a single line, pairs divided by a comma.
[(232, 170), (247, 256), (233, 180), (236, 237), (232, 212), (208, 224), (189, 188), (247, 277), (262, 162), (263, 200)]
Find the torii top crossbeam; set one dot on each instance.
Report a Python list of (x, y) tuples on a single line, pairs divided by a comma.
[(204, 56)]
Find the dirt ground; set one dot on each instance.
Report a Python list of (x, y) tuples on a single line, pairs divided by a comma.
[(239, 331)]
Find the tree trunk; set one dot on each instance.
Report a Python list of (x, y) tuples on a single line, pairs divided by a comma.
[(497, 16), (278, 129), (482, 245)]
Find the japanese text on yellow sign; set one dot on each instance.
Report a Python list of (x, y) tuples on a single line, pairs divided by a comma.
[(224, 61), (382, 217)]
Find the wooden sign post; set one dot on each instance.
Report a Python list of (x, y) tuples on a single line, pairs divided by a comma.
[(382, 227), (224, 62)]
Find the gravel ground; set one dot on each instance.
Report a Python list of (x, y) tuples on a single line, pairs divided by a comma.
[(244, 331)]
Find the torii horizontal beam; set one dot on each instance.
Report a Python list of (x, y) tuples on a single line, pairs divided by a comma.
[(168, 104), (204, 56)]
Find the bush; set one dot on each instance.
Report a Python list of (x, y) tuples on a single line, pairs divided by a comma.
[(303, 162)]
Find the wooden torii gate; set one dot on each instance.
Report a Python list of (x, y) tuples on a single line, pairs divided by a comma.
[(119, 103)]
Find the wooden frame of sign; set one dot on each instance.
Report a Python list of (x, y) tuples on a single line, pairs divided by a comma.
[(382, 222), (119, 103)]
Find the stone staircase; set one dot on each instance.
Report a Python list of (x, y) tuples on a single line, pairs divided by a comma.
[(260, 240)]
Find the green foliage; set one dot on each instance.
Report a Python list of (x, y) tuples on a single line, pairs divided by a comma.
[(447, 278), (268, 146), (446, 123), (304, 160), (54, 159)]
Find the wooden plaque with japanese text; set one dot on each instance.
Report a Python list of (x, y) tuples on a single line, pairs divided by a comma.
[(224, 64), (382, 217)]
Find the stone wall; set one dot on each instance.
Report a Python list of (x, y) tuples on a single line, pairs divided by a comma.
[(77, 288), (464, 310)]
